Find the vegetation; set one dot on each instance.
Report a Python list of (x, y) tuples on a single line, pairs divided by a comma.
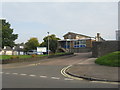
[(4, 57), (111, 59), (53, 42), (7, 37), (31, 44)]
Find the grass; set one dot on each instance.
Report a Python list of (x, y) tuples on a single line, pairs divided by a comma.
[(111, 59), (5, 57)]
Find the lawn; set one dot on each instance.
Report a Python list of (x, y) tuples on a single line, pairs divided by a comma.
[(4, 57), (111, 59)]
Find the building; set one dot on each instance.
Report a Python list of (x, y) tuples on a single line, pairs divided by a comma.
[(118, 35), (77, 43), (71, 35), (16, 50), (6, 51), (74, 42)]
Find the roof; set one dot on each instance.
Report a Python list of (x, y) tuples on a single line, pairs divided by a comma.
[(7, 48), (19, 47), (15, 48), (74, 39), (102, 39), (76, 34)]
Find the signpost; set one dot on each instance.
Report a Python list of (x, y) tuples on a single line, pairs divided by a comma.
[(41, 49)]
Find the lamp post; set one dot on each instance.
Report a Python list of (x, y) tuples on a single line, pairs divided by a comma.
[(48, 43), (70, 42)]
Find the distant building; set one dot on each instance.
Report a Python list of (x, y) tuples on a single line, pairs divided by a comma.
[(118, 35), (71, 35), (76, 43), (16, 50)]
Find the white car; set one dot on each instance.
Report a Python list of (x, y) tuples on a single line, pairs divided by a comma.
[(31, 52), (39, 53)]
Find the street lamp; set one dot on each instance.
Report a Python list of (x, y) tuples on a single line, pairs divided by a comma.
[(48, 43), (70, 41)]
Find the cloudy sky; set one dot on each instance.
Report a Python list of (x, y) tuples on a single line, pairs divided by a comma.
[(35, 19)]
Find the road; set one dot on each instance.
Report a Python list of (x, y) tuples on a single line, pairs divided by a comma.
[(46, 73)]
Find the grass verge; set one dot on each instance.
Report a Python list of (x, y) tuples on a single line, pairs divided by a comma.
[(111, 59), (6, 57)]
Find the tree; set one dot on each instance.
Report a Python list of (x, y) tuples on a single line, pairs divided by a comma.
[(31, 44), (6, 34), (53, 42)]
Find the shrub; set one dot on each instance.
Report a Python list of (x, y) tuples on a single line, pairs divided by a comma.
[(14, 57), (34, 55)]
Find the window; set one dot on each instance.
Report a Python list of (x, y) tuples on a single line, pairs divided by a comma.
[(79, 43)]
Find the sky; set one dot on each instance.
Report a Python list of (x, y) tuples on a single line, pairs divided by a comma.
[(35, 19)]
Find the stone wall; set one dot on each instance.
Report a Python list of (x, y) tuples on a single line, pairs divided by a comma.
[(80, 50), (104, 47)]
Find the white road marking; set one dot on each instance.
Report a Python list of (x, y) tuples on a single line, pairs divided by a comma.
[(32, 75), (105, 82), (43, 76), (15, 73), (7, 73), (68, 79), (23, 74), (55, 78)]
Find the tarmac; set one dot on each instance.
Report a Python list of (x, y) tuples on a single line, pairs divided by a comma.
[(91, 71)]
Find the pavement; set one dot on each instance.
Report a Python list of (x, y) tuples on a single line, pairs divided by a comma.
[(91, 71)]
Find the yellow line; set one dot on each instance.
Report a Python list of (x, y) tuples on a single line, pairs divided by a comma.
[(66, 75), (105, 82)]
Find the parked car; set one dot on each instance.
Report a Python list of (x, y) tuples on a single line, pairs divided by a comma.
[(47, 52), (31, 52)]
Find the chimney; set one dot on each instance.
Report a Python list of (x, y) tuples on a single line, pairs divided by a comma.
[(98, 34), (98, 37)]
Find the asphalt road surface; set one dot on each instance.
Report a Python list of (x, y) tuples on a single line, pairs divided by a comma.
[(46, 73)]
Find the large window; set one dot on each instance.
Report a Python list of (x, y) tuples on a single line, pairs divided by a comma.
[(79, 43)]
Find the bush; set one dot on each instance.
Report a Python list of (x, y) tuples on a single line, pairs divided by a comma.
[(34, 55), (14, 57)]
